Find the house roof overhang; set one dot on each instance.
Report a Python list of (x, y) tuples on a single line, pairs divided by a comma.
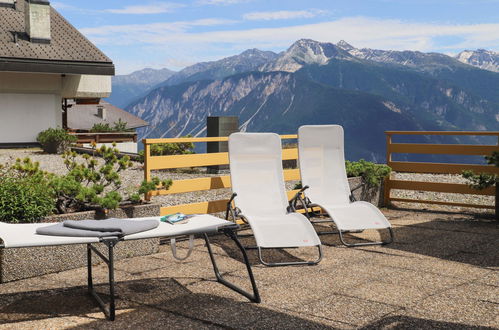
[(52, 66)]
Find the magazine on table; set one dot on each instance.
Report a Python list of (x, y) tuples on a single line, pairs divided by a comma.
[(177, 218)]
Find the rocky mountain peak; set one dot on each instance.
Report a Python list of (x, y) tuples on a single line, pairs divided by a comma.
[(344, 45), (304, 52), (255, 54), (127, 88), (481, 58), (303, 43), (145, 76)]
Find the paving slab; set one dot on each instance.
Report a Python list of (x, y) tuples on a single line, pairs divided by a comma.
[(293, 320), (491, 278), (389, 294), (347, 310), (464, 310)]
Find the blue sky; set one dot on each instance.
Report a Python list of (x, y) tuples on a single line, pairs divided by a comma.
[(175, 34)]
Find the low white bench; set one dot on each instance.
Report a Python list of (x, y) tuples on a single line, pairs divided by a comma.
[(24, 235)]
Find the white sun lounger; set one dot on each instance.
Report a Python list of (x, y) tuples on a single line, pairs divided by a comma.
[(24, 235), (323, 174), (260, 197)]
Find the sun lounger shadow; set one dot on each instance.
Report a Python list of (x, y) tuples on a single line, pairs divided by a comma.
[(144, 303), (407, 322), (202, 310), (50, 303), (458, 240)]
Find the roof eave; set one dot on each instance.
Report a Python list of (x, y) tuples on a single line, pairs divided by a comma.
[(145, 125), (62, 67)]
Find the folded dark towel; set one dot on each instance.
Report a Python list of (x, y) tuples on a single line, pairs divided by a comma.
[(98, 228), (59, 230), (124, 227)]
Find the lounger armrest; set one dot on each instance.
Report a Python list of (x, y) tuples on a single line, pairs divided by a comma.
[(232, 211), (299, 196)]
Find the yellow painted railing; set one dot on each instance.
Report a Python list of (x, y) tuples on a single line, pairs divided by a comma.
[(439, 168), (152, 163)]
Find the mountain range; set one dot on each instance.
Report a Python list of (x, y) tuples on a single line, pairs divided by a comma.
[(367, 91), (127, 88)]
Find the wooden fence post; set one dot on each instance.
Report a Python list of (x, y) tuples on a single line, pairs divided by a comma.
[(386, 190)]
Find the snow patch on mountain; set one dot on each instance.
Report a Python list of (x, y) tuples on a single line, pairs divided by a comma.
[(480, 58)]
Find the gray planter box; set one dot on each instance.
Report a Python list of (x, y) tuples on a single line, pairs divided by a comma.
[(16, 264), (373, 195), (55, 147)]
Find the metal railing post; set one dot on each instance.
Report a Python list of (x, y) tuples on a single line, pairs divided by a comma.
[(147, 170)]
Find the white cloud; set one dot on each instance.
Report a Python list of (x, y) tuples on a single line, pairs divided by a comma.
[(155, 8), (360, 31), (221, 2), (178, 41), (283, 14), (146, 33), (61, 5)]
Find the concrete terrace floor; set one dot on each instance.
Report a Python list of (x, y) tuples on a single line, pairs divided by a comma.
[(441, 272)]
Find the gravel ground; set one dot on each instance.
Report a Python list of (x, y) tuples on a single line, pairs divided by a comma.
[(133, 176)]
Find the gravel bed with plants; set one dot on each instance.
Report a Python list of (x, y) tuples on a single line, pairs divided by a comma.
[(133, 176)]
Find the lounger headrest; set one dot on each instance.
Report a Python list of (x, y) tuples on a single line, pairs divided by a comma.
[(325, 135), (254, 143)]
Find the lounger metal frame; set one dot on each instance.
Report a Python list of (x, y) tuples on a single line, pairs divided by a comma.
[(110, 309), (234, 213)]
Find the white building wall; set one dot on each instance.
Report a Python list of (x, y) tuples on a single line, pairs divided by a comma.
[(23, 116), (29, 104), (32, 102)]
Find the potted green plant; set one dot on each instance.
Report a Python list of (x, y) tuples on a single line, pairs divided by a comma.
[(366, 180), (484, 180), (55, 140)]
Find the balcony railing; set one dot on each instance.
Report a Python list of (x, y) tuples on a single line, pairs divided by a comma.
[(437, 168), (152, 163), (110, 137)]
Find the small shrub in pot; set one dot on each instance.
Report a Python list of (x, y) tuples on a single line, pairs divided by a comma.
[(24, 197), (55, 140)]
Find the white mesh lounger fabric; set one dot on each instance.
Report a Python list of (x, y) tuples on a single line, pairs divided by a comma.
[(259, 193), (24, 235), (322, 169)]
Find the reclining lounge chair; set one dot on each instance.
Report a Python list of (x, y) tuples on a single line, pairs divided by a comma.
[(324, 179), (260, 197), (24, 235)]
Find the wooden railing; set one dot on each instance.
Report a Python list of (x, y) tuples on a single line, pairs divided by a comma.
[(105, 137), (152, 163), (438, 168)]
